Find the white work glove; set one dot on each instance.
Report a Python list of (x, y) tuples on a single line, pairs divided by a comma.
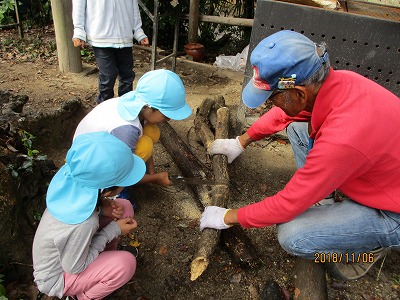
[(213, 217), (229, 147)]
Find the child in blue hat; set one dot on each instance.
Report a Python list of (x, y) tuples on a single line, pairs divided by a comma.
[(74, 248), (159, 96)]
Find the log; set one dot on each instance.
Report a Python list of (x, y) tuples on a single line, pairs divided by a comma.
[(234, 239), (239, 247), (202, 124), (310, 280), (186, 162), (220, 194), (190, 166)]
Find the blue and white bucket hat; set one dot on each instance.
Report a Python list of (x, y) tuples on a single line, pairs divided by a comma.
[(95, 161), (160, 89)]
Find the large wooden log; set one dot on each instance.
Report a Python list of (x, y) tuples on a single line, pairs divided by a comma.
[(234, 239), (202, 123), (220, 194), (240, 247), (187, 162), (310, 280)]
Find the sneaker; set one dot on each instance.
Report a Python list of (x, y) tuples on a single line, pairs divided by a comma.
[(131, 249), (351, 271), (330, 199), (325, 201)]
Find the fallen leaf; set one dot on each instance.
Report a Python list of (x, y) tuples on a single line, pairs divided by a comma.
[(163, 250), (134, 243)]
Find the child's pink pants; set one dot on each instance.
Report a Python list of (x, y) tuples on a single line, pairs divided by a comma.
[(108, 272)]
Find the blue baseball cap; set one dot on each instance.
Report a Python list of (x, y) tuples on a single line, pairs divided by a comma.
[(160, 89), (281, 61), (95, 161)]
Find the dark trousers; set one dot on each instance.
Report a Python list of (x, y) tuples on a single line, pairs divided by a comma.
[(111, 63)]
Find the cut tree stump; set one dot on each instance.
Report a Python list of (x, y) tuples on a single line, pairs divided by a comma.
[(310, 280)]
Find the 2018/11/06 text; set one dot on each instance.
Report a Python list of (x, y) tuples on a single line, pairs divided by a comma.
[(334, 257)]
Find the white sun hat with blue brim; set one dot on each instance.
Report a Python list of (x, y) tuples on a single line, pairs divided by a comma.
[(159, 89), (281, 61), (95, 161)]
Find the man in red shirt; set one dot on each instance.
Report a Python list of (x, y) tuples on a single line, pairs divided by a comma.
[(350, 119)]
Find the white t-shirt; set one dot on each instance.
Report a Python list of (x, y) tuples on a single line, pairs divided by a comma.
[(105, 118)]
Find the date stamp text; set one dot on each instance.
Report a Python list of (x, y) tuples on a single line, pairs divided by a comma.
[(334, 257)]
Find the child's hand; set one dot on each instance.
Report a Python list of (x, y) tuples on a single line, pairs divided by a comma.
[(162, 179), (78, 43), (112, 209), (127, 225), (144, 42)]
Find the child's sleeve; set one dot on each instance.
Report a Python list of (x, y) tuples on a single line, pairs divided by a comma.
[(78, 18), (138, 33)]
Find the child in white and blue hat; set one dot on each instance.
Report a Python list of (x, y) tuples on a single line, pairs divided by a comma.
[(159, 96), (71, 250)]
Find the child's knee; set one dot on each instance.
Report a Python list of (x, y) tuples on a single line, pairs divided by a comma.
[(144, 147), (124, 266), (152, 131)]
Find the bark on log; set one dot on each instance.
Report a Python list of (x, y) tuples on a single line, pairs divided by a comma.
[(202, 124), (239, 247), (310, 280)]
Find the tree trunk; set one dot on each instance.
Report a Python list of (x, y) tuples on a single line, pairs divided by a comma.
[(69, 58)]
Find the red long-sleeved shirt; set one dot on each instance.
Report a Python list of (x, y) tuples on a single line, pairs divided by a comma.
[(356, 126)]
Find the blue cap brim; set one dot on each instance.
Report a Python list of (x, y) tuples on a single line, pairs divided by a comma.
[(178, 114), (137, 173), (253, 97)]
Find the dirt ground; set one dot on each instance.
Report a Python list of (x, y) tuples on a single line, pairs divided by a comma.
[(168, 232)]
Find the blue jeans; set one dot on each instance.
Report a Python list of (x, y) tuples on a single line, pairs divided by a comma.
[(111, 63), (299, 140), (301, 143), (342, 227)]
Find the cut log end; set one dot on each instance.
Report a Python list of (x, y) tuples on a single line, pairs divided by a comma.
[(198, 266)]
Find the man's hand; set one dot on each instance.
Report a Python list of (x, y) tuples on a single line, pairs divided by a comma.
[(112, 209), (232, 148), (213, 217), (127, 225), (78, 43)]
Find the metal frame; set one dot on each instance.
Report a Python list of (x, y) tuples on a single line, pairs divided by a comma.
[(154, 17), (18, 24)]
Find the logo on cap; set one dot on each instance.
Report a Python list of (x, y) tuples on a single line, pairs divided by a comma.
[(287, 83), (258, 82)]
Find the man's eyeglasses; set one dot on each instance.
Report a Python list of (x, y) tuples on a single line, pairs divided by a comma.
[(276, 92)]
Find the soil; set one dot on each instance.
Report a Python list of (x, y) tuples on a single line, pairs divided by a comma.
[(168, 217)]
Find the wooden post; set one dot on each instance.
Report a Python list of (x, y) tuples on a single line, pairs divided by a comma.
[(69, 57), (193, 21), (310, 280)]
